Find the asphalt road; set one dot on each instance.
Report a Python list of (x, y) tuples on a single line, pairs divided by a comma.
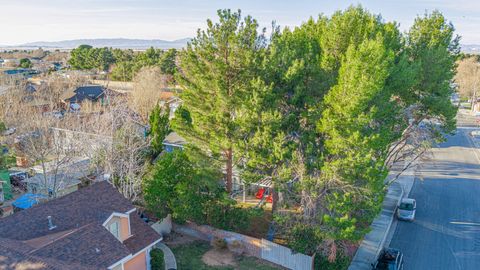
[(446, 231)]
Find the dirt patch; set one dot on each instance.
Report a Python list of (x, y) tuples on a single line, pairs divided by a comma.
[(177, 239), (216, 257)]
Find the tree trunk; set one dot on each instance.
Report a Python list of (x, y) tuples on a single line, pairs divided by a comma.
[(472, 104), (274, 192), (305, 204), (474, 98), (229, 169)]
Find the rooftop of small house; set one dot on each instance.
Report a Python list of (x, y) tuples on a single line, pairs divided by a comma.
[(87, 92), (174, 139), (70, 232)]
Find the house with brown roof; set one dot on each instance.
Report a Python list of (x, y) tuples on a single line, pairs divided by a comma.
[(92, 228)]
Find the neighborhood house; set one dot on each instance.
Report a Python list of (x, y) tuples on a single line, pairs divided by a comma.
[(173, 141), (92, 93), (93, 228)]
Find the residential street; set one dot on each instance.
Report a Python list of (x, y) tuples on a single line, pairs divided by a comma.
[(446, 231)]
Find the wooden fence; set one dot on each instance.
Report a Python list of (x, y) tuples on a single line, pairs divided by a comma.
[(283, 256), (260, 248)]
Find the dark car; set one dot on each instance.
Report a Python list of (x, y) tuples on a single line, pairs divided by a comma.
[(389, 259), (16, 180)]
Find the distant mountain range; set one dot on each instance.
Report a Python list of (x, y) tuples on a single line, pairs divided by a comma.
[(122, 43), (472, 48), (125, 43)]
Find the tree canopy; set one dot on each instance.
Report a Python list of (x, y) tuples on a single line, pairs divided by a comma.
[(124, 64), (25, 63), (320, 110), (85, 57)]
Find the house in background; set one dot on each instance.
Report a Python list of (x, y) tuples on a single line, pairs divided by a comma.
[(67, 183), (75, 97), (10, 62), (172, 102), (62, 180), (93, 228), (173, 141)]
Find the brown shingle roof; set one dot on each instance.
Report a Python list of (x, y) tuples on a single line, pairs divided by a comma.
[(140, 232), (102, 249), (93, 203), (79, 238), (13, 256), (12, 259)]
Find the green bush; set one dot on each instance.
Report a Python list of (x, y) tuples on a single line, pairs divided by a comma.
[(304, 238), (227, 216), (157, 260), (181, 185), (321, 262)]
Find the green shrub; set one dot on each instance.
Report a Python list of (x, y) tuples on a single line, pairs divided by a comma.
[(157, 260), (341, 263), (304, 238), (227, 216), (182, 184)]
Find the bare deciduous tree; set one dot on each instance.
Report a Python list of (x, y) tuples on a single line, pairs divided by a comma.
[(110, 135), (55, 159), (126, 160), (148, 86), (468, 78), (31, 114)]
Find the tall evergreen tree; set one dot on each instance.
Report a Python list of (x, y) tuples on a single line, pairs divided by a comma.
[(317, 111), (159, 127), (218, 75), (433, 47), (80, 57), (86, 57), (168, 62), (357, 131)]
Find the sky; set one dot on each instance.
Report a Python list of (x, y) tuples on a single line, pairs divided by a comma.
[(24, 21)]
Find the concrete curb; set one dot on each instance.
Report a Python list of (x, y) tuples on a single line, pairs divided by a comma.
[(374, 241), (391, 219), (406, 181)]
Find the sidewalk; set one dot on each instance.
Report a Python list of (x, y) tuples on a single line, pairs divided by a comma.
[(374, 241), (406, 180), (168, 256), (466, 118)]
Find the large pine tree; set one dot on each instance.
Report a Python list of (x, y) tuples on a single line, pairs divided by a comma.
[(218, 73)]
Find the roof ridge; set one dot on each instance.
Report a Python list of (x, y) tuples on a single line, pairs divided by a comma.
[(59, 238)]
